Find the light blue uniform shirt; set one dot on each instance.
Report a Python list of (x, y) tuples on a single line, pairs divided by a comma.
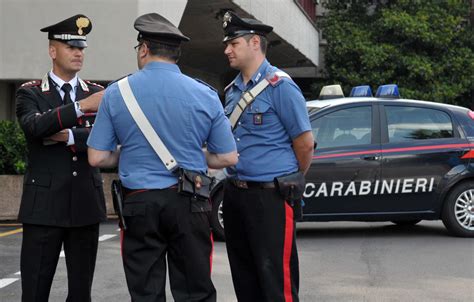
[(184, 112), (267, 127)]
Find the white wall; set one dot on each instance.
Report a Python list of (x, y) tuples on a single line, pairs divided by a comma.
[(288, 21)]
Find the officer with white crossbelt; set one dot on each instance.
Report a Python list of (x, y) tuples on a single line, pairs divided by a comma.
[(185, 114)]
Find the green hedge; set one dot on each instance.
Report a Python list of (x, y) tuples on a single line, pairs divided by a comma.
[(12, 148)]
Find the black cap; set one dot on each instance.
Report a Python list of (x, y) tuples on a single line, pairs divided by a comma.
[(235, 27), (72, 31), (156, 28)]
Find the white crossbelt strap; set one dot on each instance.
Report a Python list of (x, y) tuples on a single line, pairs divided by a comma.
[(248, 97), (145, 126)]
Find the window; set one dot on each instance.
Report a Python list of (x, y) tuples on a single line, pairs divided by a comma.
[(414, 123), (345, 127)]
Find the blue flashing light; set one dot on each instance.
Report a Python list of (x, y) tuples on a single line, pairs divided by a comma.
[(361, 91), (387, 91)]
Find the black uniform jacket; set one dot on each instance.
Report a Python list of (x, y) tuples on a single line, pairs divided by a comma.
[(60, 187)]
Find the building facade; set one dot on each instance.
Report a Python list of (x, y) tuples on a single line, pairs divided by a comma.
[(293, 45)]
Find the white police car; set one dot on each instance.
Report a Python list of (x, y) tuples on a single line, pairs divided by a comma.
[(386, 159)]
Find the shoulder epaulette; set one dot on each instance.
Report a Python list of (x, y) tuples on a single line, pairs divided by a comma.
[(94, 84), (204, 83), (228, 86), (31, 83), (114, 81), (276, 78)]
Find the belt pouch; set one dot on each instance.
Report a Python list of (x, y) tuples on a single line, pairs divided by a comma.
[(291, 187), (194, 184)]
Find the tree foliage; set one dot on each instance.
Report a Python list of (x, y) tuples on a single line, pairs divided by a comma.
[(426, 47), (12, 148)]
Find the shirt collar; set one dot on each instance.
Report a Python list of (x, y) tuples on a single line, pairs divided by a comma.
[(162, 65), (256, 77), (59, 82)]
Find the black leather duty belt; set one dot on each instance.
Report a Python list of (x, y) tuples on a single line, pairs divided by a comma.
[(242, 184)]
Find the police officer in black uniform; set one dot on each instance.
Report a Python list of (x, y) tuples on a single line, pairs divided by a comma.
[(63, 201)]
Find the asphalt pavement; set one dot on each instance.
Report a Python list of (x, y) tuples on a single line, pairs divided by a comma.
[(339, 261)]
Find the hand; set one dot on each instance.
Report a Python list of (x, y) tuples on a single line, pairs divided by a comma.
[(91, 103), (61, 136)]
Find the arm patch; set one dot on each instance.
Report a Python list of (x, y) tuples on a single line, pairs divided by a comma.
[(276, 78)]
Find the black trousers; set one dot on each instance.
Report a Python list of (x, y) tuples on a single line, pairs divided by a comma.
[(40, 251), (160, 227), (260, 239)]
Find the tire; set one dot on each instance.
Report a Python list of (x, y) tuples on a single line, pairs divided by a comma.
[(458, 210), (217, 220), (406, 222)]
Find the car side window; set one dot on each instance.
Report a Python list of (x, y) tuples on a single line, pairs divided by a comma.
[(345, 127), (407, 123)]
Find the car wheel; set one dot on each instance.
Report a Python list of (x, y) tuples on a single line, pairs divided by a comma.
[(458, 210), (406, 222), (217, 217)]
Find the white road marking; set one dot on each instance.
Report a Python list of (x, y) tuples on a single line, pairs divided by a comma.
[(106, 236), (7, 281)]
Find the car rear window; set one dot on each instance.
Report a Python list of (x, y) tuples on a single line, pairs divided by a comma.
[(406, 123)]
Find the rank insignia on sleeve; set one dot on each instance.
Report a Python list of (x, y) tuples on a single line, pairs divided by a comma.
[(257, 119)]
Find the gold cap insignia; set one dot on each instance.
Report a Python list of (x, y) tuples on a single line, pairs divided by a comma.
[(81, 23)]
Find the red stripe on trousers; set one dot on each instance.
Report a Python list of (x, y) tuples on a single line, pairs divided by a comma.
[(212, 252), (288, 244)]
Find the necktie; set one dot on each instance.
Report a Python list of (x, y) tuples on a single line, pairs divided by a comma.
[(67, 96)]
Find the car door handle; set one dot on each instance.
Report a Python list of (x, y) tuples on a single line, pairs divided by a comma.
[(370, 157)]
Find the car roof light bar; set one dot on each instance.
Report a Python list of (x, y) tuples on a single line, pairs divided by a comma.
[(388, 91), (361, 91), (331, 92)]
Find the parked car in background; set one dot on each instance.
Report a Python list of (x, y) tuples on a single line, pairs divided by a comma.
[(384, 158)]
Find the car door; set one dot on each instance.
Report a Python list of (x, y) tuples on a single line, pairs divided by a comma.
[(346, 162), (421, 147)]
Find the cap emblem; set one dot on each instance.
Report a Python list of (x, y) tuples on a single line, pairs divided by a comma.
[(81, 23), (227, 19)]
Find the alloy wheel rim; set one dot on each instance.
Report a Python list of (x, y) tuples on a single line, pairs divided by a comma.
[(464, 210)]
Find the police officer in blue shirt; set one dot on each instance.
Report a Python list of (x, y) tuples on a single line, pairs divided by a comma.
[(161, 223), (274, 139)]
